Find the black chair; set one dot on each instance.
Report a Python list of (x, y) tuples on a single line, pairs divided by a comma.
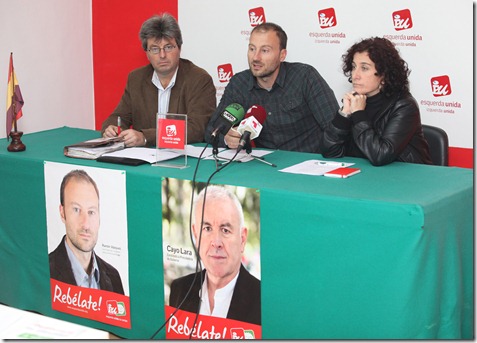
[(438, 144)]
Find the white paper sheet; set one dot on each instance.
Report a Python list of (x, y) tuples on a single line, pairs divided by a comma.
[(315, 167)]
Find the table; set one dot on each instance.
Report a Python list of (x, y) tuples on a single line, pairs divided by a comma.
[(385, 254)]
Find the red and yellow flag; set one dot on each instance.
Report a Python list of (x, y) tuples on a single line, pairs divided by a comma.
[(14, 99)]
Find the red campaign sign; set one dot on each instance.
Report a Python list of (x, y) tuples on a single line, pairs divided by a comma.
[(181, 325), (102, 306), (171, 134)]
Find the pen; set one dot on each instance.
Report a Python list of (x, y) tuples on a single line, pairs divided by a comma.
[(261, 159), (119, 125), (266, 162)]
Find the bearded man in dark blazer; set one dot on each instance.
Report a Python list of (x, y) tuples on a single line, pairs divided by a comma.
[(74, 260)]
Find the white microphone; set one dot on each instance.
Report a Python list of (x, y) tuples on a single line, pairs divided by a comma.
[(249, 128), (252, 125)]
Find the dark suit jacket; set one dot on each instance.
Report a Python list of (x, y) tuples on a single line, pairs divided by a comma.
[(60, 269), (193, 94), (244, 306)]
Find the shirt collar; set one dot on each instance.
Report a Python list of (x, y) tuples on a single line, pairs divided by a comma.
[(155, 80), (222, 297), (78, 271), (280, 81), (227, 289)]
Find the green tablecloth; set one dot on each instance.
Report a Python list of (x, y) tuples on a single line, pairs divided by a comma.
[(385, 254)]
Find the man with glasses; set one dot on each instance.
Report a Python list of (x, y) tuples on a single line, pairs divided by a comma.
[(169, 84)]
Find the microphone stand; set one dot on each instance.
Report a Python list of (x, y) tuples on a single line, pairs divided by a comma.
[(219, 161), (248, 149), (215, 146), (215, 150), (248, 146)]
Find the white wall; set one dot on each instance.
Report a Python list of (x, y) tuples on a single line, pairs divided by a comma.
[(52, 54), (443, 46)]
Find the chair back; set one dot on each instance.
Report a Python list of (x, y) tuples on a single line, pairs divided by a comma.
[(438, 144)]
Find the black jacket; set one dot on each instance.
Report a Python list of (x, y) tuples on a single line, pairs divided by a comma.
[(244, 306), (394, 134), (60, 269)]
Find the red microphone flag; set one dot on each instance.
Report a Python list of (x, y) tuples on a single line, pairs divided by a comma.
[(14, 100)]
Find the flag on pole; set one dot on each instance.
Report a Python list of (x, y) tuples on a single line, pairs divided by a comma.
[(14, 100)]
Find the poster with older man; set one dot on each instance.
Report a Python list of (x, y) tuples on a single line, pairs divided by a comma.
[(211, 246)]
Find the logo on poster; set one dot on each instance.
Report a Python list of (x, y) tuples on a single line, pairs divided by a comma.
[(225, 72), (402, 20), (116, 308), (240, 333), (171, 130), (327, 18), (441, 86), (256, 16)]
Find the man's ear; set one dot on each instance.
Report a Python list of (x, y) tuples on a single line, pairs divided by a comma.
[(62, 213), (194, 233), (283, 55)]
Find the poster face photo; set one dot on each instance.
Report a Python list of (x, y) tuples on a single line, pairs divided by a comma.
[(87, 242), (211, 246)]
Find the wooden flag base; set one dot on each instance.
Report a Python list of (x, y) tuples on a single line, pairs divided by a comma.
[(16, 145)]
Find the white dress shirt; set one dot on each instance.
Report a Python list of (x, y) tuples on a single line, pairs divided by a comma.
[(163, 95), (222, 299)]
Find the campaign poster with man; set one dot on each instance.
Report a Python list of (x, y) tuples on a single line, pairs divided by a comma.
[(87, 242), (211, 247)]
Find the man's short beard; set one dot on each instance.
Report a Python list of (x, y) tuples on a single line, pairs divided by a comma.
[(264, 75)]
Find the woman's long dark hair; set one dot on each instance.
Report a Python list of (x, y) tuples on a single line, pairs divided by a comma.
[(387, 60)]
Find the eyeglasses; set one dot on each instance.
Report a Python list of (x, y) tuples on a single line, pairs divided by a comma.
[(156, 50)]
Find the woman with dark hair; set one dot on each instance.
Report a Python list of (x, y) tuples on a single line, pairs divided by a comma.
[(379, 119)]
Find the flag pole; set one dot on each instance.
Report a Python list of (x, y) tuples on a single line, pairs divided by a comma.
[(15, 129), (16, 144)]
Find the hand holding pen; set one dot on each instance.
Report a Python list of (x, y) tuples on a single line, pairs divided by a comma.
[(113, 130), (119, 125), (129, 136)]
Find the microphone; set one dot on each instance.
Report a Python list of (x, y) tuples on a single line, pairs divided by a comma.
[(232, 115), (251, 126)]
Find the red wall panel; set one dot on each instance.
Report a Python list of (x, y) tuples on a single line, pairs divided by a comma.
[(117, 48), (461, 157)]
